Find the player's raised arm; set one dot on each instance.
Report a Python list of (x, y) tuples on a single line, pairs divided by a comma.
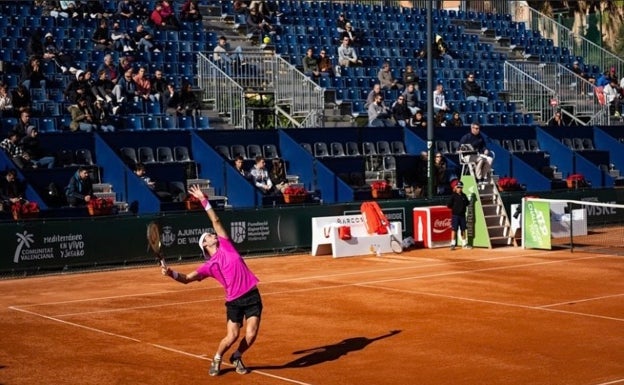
[(216, 222)]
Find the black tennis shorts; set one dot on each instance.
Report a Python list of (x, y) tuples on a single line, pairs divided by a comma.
[(245, 306)]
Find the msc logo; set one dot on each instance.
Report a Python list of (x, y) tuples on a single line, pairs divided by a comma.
[(238, 231)]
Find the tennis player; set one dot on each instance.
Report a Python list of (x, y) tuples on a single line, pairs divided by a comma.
[(243, 301)]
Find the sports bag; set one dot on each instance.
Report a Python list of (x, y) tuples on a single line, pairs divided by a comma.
[(374, 219)]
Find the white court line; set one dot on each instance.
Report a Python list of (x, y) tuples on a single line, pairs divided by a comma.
[(582, 300), (612, 382)]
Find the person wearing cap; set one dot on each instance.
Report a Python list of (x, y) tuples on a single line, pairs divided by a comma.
[(79, 87), (613, 97), (458, 202), (483, 158), (341, 23), (224, 55), (243, 302)]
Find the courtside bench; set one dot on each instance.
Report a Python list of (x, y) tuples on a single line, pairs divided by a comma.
[(325, 238)]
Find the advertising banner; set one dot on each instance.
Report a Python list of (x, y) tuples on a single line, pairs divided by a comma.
[(536, 225)]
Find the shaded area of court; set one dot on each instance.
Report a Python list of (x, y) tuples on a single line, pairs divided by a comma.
[(503, 316)]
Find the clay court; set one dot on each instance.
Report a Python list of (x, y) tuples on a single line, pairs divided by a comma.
[(502, 316)]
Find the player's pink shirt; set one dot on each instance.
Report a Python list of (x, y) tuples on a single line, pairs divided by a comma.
[(229, 268)]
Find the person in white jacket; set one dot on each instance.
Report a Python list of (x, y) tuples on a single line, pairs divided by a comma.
[(613, 97), (439, 101)]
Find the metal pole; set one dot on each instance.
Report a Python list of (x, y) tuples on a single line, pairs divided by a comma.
[(429, 40)]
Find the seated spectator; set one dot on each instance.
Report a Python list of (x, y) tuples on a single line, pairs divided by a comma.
[(613, 97), (31, 145), (21, 99), (102, 116), (141, 172), (278, 175), (143, 40), (439, 100), (400, 112), (223, 54), (184, 103), (79, 190), (6, 101), (125, 91), (346, 54), (410, 77), (440, 181), (80, 88), (11, 190), (370, 99), (190, 11), (310, 64), (350, 33), (109, 67), (439, 119), (125, 10), (386, 80), (325, 64), (441, 49), (23, 122), (102, 37), (62, 59), (419, 120), (455, 121), (102, 88), (239, 165), (122, 42), (95, 10), (341, 23), (412, 98), (576, 68), (260, 176), (11, 147), (159, 87), (556, 120), (81, 116), (258, 24), (162, 17), (32, 74), (144, 86), (379, 114), (472, 90)]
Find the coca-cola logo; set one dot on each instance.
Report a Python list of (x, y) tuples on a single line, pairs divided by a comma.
[(441, 225)]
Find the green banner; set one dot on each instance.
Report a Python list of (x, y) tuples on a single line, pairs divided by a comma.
[(536, 225)]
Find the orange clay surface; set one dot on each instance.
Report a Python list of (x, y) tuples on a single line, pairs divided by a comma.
[(502, 316)]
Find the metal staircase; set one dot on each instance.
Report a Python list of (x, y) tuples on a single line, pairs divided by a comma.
[(488, 218)]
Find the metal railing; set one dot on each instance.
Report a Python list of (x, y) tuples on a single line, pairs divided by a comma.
[(542, 88)]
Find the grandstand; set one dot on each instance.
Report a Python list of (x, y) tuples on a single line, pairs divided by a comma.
[(507, 55)]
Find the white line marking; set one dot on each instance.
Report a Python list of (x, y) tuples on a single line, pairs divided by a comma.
[(582, 300), (612, 382)]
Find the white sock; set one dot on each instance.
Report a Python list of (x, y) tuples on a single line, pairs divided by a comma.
[(217, 357), (453, 243), (464, 242)]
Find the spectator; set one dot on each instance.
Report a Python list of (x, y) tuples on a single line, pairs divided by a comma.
[(32, 146), (184, 102), (121, 41), (102, 88), (472, 89), (324, 63), (258, 24), (439, 119), (386, 80), (349, 33), (310, 64), (162, 17), (63, 60), (102, 37), (346, 54), (370, 99), (141, 172), (439, 177), (80, 88), (125, 9), (482, 159), (22, 124), (32, 74), (439, 101), (341, 23), (224, 55), (260, 176), (143, 40), (410, 77), (412, 98), (556, 120), (35, 44), (576, 68), (239, 165), (95, 10), (21, 99), (11, 146), (190, 11), (144, 86), (159, 87), (109, 67), (613, 97), (125, 91), (455, 121), (419, 120), (441, 49), (79, 190), (11, 190), (379, 113), (101, 117), (278, 175), (401, 112), (6, 101), (81, 116)]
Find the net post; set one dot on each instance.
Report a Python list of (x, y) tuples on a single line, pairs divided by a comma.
[(570, 210)]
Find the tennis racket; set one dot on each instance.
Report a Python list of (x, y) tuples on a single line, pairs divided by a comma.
[(153, 240), (395, 245)]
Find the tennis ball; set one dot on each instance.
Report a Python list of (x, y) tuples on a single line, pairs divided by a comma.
[(266, 40)]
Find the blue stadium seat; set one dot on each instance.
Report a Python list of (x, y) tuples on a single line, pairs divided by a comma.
[(169, 122), (133, 123), (202, 122), (185, 122), (151, 122)]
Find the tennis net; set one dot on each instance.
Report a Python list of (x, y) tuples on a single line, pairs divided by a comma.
[(578, 225)]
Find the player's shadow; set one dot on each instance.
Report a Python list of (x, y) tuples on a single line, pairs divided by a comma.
[(320, 354)]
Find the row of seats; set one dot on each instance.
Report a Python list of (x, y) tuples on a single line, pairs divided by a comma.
[(251, 151), (518, 145), (338, 149), (163, 154), (578, 144)]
